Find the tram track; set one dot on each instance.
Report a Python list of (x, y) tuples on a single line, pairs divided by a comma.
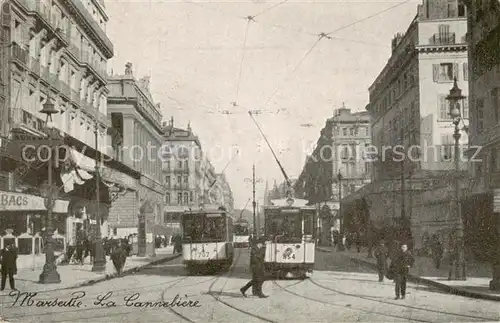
[(479, 318), (219, 300), (286, 289)]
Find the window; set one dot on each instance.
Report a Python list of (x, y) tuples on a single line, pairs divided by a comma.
[(444, 110), (465, 112), (167, 198), (285, 228), (344, 131), (186, 198), (452, 10), (167, 181), (445, 72), (204, 228), (466, 71), (191, 198), (447, 146), (351, 131), (241, 229), (461, 9), (495, 103), (179, 179), (480, 115), (185, 180), (179, 198), (179, 164)]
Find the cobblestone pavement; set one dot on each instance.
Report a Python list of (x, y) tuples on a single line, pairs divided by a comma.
[(338, 291)]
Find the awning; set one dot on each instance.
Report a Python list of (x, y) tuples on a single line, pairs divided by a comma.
[(109, 175)]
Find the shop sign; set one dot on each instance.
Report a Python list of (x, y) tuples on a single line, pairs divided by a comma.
[(12, 201)]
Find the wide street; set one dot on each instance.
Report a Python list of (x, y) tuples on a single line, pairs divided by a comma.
[(339, 291)]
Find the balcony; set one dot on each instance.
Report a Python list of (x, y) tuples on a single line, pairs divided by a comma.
[(75, 51), (19, 55), (94, 65), (442, 39)]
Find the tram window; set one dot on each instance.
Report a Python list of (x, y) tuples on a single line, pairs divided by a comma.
[(240, 230), (308, 224), (289, 226), (200, 228)]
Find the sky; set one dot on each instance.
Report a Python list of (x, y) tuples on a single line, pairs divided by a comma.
[(205, 59)]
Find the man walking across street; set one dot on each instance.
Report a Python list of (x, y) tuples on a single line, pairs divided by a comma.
[(9, 265), (400, 265), (381, 253), (258, 271)]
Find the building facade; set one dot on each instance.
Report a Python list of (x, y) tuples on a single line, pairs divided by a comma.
[(133, 111), (339, 150), (484, 85), (56, 52), (223, 193), (182, 173), (412, 131)]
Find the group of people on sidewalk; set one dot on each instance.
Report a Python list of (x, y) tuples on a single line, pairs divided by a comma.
[(401, 260)]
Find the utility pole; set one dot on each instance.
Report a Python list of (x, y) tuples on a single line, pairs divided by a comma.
[(254, 203)]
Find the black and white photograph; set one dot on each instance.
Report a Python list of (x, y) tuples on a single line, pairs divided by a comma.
[(250, 161)]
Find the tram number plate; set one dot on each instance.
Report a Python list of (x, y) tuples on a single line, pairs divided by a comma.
[(288, 256), (202, 254)]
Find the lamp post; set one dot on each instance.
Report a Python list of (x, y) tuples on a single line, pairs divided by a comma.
[(254, 202), (99, 264), (341, 219), (455, 98), (49, 274)]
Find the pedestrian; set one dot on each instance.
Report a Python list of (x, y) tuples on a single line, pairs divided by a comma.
[(437, 251), (400, 267), (358, 241), (381, 253), (258, 270), (9, 265), (118, 256)]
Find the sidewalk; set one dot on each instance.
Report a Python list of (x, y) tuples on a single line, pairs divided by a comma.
[(424, 272), (81, 275)]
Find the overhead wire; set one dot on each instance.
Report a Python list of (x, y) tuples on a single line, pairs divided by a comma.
[(247, 27)]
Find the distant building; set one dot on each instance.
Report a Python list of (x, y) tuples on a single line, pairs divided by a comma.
[(408, 108), (132, 110)]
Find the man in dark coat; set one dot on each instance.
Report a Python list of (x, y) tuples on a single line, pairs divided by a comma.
[(258, 270), (381, 253), (118, 255), (9, 265), (400, 265)]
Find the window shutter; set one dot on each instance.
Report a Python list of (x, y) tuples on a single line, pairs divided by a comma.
[(435, 72), (466, 71), (455, 70), (443, 111)]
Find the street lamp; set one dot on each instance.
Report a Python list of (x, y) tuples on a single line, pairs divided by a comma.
[(49, 274), (340, 243), (456, 101), (99, 264)]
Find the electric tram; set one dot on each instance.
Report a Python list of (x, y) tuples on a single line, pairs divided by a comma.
[(290, 238), (207, 239), (241, 234)]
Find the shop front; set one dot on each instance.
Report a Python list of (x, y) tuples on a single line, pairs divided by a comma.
[(23, 217)]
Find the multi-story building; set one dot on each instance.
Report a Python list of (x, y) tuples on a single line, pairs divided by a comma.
[(189, 177), (408, 108), (484, 88), (56, 51), (133, 110), (339, 150), (182, 172)]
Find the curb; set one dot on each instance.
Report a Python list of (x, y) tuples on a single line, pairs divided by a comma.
[(424, 281), (129, 271)]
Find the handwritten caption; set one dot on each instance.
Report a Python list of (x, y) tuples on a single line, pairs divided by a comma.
[(78, 300)]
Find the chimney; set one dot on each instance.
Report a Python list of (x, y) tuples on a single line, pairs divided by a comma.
[(128, 69), (158, 106)]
